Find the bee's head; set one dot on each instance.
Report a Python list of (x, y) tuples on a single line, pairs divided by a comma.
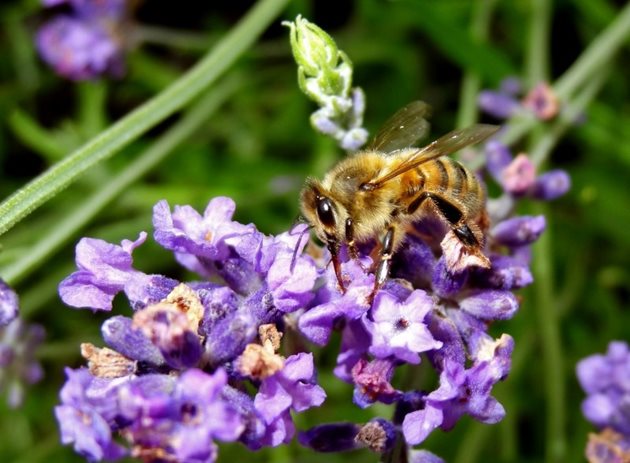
[(324, 213)]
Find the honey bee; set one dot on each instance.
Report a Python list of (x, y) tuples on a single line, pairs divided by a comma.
[(379, 192)]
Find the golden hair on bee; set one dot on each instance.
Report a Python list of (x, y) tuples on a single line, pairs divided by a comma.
[(379, 192)]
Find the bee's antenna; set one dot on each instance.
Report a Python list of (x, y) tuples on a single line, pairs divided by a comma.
[(298, 245)]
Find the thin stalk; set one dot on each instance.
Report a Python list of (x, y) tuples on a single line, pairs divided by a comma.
[(555, 441), (471, 82), (549, 333), (598, 53), (174, 38), (590, 63), (537, 53), (172, 99), (88, 209), (92, 98), (572, 111), (33, 135)]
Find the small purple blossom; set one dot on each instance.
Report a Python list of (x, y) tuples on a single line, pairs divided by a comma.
[(605, 379), (292, 388), (373, 382), (105, 270), (462, 391), (84, 414), (517, 176), (398, 329), (541, 101)]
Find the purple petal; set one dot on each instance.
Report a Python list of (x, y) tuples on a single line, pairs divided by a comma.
[(551, 185), (499, 105), (519, 231), (132, 343), (490, 304), (498, 157), (418, 425)]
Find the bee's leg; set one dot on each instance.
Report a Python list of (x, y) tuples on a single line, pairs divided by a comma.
[(333, 247), (352, 247), (384, 263), (458, 223)]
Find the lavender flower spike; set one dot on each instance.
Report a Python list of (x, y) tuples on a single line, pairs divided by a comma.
[(605, 379), (325, 76)]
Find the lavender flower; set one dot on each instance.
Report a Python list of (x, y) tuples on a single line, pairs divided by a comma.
[(163, 382), (541, 101), (88, 43), (18, 344), (517, 175), (605, 379), (18, 366)]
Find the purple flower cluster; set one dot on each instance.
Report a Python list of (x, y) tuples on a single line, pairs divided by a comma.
[(198, 361), (606, 380), (88, 42), (505, 103), (18, 344)]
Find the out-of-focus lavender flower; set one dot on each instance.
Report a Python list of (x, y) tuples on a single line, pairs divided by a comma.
[(9, 304), (541, 101), (605, 379), (607, 447), (18, 366), (517, 175), (89, 42), (325, 76), (18, 344)]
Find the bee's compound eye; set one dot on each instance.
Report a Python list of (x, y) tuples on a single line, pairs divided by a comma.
[(325, 212)]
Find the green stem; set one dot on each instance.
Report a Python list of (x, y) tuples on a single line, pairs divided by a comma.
[(177, 95), (33, 135), (598, 53), (590, 63), (537, 58), (92, 98), (555, 441), (184, 40), (549, 332), (547, 141), (471, 83), (88, 209)]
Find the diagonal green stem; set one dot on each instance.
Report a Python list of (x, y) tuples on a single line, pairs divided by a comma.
[(599, 52), (177, 95), (88, 209)]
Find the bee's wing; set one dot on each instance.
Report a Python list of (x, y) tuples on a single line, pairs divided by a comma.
[(447, 144), (403, 129)]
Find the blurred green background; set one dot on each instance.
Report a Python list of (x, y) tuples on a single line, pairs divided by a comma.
[(258, 147)]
